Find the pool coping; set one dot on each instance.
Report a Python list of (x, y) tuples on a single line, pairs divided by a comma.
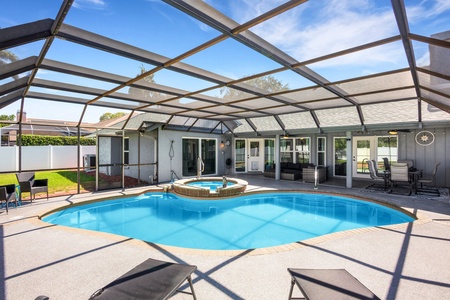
[(420, 219)]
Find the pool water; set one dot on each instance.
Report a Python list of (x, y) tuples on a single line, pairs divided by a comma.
[(212, 185), (247, 222)]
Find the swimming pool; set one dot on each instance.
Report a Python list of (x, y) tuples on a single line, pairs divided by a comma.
[(246, 222)]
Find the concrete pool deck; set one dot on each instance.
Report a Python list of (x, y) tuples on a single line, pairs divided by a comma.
[(395, 262)]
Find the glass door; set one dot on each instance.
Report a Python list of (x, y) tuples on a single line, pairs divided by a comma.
[(209, 156), (190, 156), (193, 149)]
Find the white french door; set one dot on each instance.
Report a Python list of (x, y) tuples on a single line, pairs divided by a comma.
[(255, 155), (249, 155), (364, 149)]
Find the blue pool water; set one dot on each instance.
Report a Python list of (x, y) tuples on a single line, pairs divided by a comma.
[(212, 185), (247, 222)]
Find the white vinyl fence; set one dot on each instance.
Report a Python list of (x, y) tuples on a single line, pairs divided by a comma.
[(42, 157)]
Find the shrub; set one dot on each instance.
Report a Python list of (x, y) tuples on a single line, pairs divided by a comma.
[(45, 140)]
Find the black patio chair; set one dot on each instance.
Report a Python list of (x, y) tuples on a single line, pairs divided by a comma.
[(387, 166), (8, 194), (28, 184)]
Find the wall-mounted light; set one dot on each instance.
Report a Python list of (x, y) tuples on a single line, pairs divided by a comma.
[(222, 144), (286, 135), (396, 131)]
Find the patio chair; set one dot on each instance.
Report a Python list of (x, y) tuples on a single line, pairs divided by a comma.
[(377, 178), (30, 185), (328, 284), (428, 181), (409, 162), (399, 175), (8, 194), (152, 279), (377, 171)]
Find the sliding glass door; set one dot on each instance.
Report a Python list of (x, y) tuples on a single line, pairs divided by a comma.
[(195, 149)]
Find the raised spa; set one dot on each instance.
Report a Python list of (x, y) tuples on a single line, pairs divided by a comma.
[(210, 187), (247, 222)]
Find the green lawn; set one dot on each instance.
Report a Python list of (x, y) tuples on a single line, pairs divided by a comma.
[(58, 181)]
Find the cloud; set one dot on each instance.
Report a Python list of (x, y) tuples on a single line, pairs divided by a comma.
[(427, 9), (89, 4), (314, 30)]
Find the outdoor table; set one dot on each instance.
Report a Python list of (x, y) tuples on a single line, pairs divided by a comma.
[(325, 284)]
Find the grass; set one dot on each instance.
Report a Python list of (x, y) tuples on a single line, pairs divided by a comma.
[(58, 181)]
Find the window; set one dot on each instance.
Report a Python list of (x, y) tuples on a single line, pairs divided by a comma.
[(126, 150), (340, 156), (387, 147), (321, 152), (287, 150), (240, 155), (269, 154), (302, 150)]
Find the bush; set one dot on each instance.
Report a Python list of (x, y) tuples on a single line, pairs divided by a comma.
[(46, 140)]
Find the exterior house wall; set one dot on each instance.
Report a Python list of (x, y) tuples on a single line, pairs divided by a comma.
[(166, 165), (425, 157)]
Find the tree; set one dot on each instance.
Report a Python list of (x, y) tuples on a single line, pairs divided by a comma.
[(141, 92), (6, 118), (110, 116), (8, 57), (268, 84), (144, 93)]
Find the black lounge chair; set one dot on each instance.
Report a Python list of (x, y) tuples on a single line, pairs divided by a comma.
[(325, 284), (30, 185), (152, 279), (8, 194)]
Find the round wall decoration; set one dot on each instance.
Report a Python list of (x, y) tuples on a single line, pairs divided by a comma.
[(424, 138)]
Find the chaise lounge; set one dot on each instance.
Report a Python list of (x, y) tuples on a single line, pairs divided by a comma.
[(152, 279), (321, 284)]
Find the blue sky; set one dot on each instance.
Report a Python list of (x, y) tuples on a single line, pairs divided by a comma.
[(311, 30)]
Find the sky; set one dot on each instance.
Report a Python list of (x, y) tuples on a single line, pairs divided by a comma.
[(311, 30)]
